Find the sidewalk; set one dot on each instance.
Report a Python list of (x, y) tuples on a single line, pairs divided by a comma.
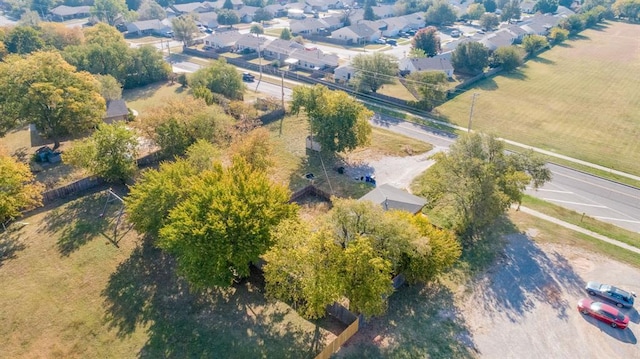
[(579, 229)]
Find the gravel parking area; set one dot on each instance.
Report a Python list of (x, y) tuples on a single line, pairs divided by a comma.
[(525, 307)]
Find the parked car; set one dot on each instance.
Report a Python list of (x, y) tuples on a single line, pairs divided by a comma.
[(455, 33), (603, 312), (247, 77), (392, 42), (381, 41), (616, 295)]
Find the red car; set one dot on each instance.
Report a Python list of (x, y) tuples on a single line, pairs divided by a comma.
[(603, 312)]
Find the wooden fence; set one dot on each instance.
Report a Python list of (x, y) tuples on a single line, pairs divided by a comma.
[(309, 190), (64, 191), (336, 344)]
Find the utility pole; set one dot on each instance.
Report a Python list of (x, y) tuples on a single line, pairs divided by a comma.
[(283, 110), (473, 102)]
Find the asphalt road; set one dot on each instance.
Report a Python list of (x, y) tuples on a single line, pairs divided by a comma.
[(596, 197)]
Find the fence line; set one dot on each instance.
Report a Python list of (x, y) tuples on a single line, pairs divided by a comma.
[(64, 191), (336, 344), (309, 190)]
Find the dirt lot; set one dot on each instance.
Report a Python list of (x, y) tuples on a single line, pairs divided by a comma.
[(525, 307)]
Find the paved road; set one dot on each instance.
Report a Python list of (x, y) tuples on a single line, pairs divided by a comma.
[(270, 89), (605, 200)]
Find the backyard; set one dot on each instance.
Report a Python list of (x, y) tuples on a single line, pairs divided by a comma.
[(579, 99)]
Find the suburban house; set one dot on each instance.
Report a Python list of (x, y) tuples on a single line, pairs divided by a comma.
[(527, 6), (309, 26), (332, 22), (190, 8), (384, 11), (296, 14), (344, 73), (426, 64), (222, 41), (280, 49), (312, 59), (414, 21), (563, 11), (317, 5), (149, 27), (246, 13), (498, 39), (250, 43), (539, 24), (361, 33), (392, 26), (390, 198), (276, 10), (208, 19), (63, 12), (116, 111)]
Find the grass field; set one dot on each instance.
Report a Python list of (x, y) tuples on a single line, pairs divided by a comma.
[(68, 292), (579, 99)]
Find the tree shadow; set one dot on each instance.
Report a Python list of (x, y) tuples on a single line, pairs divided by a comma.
[(488, 84), (145, 291), (10, 244), (524, 275), (623, 335), (422, 321), (80, 221), (540, 60)]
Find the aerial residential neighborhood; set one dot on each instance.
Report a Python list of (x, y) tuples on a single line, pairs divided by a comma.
[(319, 179)]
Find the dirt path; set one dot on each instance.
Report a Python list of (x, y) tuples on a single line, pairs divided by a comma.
[(526, 306)]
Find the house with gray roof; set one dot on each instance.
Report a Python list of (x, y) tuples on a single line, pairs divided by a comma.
[(392, 26), (63, 12), (251, 43), (384, 11), (528, 6), (192, 8), (149, 27), (421, 64), (312, 59), (391, 198), (116, 111), (222, 41), (208, 19), (246, 13), (360, 33), (308, 26), (540, 24), (276, 10), (280, 49), (415, 21)]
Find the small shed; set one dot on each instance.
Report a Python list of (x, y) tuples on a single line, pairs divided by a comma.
[(390, 197), (116, 111)]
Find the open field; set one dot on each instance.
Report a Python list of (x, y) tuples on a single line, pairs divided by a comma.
[(69, 292), (579, 99), (153, 95)]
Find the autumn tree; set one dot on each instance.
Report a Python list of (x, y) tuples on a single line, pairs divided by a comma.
[(109, 87), (109, 10), (30, 18), (427, 40), (470, 57), (221, 78), (558, 35), (534, 43), (224, 224), (473, 184), (60, 36), (374, 71), (337, 121), (18, 189), (255, 148), (110, 153), (184, 29), (44, 90), (629, 9)]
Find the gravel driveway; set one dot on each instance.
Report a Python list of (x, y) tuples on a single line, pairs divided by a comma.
[(526, 306)]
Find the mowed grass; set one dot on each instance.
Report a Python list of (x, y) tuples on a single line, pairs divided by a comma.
[(579, 99), (153, 95), (69, 292)]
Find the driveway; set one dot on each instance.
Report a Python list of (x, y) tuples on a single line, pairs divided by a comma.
[(525, 307)]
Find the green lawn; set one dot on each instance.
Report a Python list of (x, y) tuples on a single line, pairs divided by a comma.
[(579, 99), (397, 90), (68, 292)]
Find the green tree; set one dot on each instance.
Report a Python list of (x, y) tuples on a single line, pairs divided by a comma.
[(156, 193), (511, 10), (470, 57), (574, 24), (490, 5), (475, 10), (534, 43), (30, 18), (489, 21), (508, 57), (255, 148), (146, 65), (338, 122), (44, 90), (285, 34), (23, 40), (109, 10), (432, 87), (304, 268), (42, 7), (441, 13), (627, 8), (558, 35), (221, 78), (427, 40), (374, 71), (184, 29), (228, 5), (475, 183), (202, 155), (368, 11), (224, 224), (228, 17), (256, 29), (18, 189), (546, 6), (150, 10), (109, 87), (262, 14), (110, 153), (416, 53)]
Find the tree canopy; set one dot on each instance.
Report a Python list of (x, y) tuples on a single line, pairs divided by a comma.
[(546, 6), (473, 184), (18, 189), (227, 17), (374, 71), (46, 91), (262, 14), (184, 29), (432, 87), (470, 57), (149, 10), (441, 13), (285, 34), (534, 43), (511, 10), (338, 122), (109, 10), (23, 40), (427, 40), (221, 78), (509, 57), (489, 21)]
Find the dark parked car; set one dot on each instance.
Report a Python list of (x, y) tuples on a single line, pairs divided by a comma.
[(603, 312), (392, 42), (618, 296), (247, 77)]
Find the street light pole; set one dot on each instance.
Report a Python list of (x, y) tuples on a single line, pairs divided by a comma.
[(473, 102)]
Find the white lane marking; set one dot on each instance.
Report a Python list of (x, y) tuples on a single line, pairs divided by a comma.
[(578, 203), (616, 219), (547, 190), (596, 185)]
